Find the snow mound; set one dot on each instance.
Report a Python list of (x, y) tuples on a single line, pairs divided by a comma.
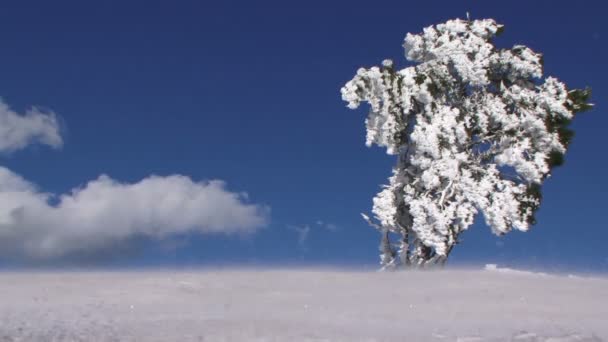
[(495, 268), (495, 304)]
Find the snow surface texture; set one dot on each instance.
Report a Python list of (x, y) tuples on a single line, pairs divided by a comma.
[(304, 305)]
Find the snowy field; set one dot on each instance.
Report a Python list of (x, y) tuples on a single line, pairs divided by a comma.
[(302, 305)]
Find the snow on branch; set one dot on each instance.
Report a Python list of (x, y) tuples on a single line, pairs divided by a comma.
[(476, 130)]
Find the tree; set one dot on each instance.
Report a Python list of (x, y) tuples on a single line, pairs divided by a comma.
[(475, 129)]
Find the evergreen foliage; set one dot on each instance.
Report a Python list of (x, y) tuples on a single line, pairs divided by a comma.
[(475, 129)]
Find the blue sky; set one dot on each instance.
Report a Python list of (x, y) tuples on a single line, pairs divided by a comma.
[(248, 92)]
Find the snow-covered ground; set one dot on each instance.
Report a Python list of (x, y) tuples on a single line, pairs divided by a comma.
[(302, 305)]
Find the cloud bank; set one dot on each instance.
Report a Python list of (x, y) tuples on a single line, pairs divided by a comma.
[(105, 211), (94, 217)]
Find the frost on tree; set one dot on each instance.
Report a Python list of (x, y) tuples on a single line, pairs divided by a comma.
[(475, 129)]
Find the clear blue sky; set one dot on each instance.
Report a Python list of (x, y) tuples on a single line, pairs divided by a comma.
[(248, 92)]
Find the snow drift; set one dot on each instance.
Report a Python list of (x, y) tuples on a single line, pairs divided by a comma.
[(304, 305)]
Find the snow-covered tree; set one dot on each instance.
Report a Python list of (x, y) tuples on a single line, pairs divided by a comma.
[(476, 129)]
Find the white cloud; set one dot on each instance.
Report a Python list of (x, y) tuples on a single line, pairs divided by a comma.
[(302, 232), (35, 126), (105, 211), (328, 226)]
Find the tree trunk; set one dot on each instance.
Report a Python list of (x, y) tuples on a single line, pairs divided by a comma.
[(387, 254), (414, 254), (404, 249)]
